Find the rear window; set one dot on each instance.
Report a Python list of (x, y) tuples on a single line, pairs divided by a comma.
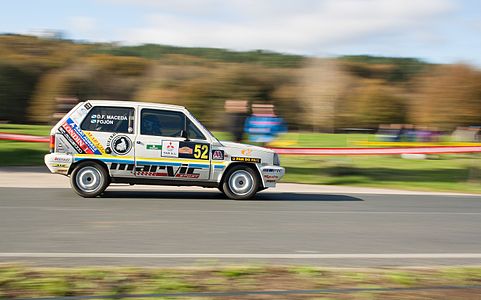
[(109, 119)]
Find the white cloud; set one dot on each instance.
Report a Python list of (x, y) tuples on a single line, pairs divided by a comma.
[(301, 26)]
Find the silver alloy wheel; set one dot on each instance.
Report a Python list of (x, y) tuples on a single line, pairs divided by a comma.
[(241, 182), (89, 179)]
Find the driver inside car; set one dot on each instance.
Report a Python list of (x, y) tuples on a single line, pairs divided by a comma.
[(150, 125)]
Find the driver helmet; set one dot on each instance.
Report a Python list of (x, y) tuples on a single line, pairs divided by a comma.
[(150, 125)]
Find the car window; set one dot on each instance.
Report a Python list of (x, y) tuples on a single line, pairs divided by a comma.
[(161, 122), (193, 132), (109, 119)]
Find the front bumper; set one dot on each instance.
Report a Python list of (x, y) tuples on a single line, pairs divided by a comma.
[(58, 163), (271, 175)]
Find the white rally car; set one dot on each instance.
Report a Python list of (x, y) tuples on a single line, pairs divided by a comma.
[(101, 142)]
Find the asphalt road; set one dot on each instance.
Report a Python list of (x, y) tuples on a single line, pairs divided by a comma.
[(182, 227)]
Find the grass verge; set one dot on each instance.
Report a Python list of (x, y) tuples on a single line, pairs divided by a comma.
[(453, 173), (18, 281)]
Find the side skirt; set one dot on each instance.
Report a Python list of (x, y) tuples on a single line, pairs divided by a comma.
[(148, 181)]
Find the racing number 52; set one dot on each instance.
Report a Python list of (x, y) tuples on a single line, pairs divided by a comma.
[(201, 151)]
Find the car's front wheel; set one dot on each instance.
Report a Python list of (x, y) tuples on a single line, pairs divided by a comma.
[(89, 179), (241, 183)]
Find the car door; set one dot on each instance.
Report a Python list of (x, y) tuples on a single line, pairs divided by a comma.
[(109, 132), (162, 152)]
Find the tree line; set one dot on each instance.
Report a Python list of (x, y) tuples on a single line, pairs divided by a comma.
[(310, 93)]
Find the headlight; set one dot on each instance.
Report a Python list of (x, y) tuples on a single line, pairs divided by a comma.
[(276, 161)]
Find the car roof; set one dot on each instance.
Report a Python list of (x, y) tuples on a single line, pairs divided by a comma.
[(128, 102)]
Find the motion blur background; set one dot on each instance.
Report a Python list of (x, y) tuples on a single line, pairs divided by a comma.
[(406, 70), (338, 73), (326, 65)]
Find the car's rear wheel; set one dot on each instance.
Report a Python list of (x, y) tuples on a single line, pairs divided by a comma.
[(241, 183), (89, 179)]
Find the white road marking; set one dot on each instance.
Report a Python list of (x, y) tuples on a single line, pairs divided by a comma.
[(346, 212), (321, 212), (245, 255)]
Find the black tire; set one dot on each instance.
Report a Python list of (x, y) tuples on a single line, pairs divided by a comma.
[(89, 179), (240, 183)]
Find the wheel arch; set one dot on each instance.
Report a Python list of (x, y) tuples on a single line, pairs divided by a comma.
[(254, 166), (97, 161)]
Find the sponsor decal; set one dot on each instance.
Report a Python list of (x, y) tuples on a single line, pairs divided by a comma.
[(79, 114), (270, 177), (246, 159), (180, 171), (87, 106), (62, 159), (153, 147), (246, 152), (107, 119), (95, 141), (108, 150), (201, 151), (59, 146), (183, 171), (272, 170), (218, 154), (170, 148), (186, 150), (79, 137), (121, 144), (193, 150), (71, 140), (57, 165), (122, 167)]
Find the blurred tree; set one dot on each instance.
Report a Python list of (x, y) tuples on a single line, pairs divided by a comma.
[(42, 105), (448, 96), (322, 83), (16, 86), (319, 94), (376, 103)]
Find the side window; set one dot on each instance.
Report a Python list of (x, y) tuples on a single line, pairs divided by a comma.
[(161, 122), (109, 119), (193, 132)]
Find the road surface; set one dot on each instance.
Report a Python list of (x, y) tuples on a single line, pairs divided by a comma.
[(184, 226)]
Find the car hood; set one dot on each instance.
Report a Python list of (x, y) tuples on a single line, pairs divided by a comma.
[(233, 145)]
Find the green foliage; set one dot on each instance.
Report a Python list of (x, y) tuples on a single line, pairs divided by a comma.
[(402, 278), (240, 271), (154, 51), (16, 86), (393, 69), (113, 282), (39, 130), (307, 271), (350, 91), (22, 154)]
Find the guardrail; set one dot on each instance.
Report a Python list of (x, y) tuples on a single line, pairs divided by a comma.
[(310, 151), (379, 151), (23, 138)]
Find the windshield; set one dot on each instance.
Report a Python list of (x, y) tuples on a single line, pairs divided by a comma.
[(205, 128)]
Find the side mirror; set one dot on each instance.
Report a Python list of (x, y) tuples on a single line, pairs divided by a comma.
[(183, 133)]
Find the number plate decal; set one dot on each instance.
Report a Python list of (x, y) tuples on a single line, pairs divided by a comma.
[(194, 150)]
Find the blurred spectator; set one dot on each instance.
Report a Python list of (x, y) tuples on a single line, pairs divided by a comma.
[(466, 134), (263, 125), (236, 114), (409, 133), (388, 133)]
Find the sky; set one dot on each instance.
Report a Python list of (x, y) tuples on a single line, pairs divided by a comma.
[(438, 31)]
